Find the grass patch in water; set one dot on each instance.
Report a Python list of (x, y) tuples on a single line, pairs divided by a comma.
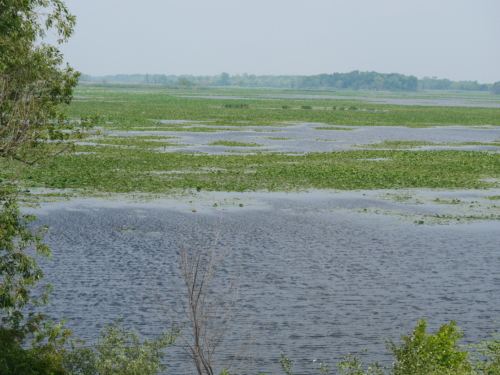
[(141, 137), (134, 142), (413, 144), (135, 109), (199, 129), (120, 170), (332, 128), (233, 144)]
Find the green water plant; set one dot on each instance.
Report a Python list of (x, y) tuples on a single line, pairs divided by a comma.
[(486, 355), (234, 144)]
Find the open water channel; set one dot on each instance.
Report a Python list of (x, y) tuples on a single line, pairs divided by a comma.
[(318, 275)]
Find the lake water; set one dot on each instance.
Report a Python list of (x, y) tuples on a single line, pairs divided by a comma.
[(305, 137), (317, 277)]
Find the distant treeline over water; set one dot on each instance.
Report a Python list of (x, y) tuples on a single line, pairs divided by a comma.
[(354, 80)]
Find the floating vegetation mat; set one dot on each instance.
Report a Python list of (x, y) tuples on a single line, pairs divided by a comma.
[(140, 148)]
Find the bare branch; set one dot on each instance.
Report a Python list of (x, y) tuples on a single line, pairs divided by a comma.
[(209, 310)]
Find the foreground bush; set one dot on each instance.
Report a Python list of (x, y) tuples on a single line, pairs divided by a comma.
[(120, 352), (422, 353), (34, 346)]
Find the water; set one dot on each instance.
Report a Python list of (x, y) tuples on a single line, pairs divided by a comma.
[(305, 137), (317, 278)]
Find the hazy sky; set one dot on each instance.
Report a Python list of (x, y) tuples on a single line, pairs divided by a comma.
[(455, 39)]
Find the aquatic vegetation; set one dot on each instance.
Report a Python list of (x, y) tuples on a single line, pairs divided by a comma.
[(244, 106), (135, 142), (96, 168), (135, 109), (332, 128), (413, 144), (233, 144), (120, 170)]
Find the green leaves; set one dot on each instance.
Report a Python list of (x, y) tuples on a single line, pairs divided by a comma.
[(123, 170), (28, 20), (120, 352), (19, 270), (423, 353)]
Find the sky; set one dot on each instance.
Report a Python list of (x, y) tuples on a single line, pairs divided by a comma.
[(454, 39)]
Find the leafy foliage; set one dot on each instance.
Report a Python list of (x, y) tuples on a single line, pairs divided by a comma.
[(486, 358), (423, 353), (33, 86), (33, 346), (18, 269), (33, 83), (120, 352)]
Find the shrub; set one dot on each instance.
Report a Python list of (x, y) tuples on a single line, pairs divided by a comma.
[(120, 352), (32, 347), (422, 353)]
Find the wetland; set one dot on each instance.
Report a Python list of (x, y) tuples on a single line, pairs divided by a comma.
[(346, 222)]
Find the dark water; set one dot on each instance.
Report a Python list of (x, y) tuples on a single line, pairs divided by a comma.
[(317, 283)]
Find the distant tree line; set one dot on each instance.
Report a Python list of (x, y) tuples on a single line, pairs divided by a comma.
[(445, 84), (354, 80), (496, 88)]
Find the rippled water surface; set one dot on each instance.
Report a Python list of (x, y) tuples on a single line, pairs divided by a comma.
[(318, 278)]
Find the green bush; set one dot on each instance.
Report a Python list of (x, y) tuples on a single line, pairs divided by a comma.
[(32, 347), (422, 353), (120, 352)]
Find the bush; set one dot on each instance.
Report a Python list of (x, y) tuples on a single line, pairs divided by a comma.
[(120, 352), (423, 353), (32, 347)]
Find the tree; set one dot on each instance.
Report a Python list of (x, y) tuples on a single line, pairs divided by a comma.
[(496, 88), (183, 82), (209, 311), (34, 87), (224, 79)]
